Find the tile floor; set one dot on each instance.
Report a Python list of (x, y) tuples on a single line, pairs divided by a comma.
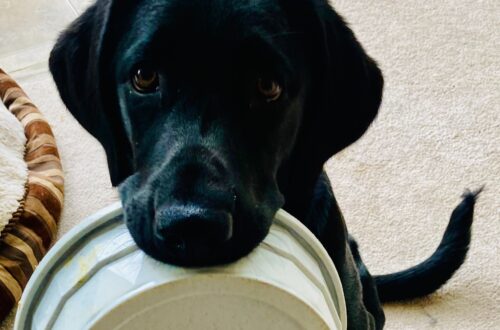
[(28, 30), (32, 26)]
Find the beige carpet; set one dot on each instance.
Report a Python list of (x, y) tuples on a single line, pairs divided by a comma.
[(438, 133)]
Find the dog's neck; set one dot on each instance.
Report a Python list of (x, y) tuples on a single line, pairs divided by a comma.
[(297, 180)]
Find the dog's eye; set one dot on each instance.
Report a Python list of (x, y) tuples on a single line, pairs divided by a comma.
[(145, 80), (269, 88)]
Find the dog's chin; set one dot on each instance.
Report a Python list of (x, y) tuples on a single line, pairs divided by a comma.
[(244, 241), (226, 253)]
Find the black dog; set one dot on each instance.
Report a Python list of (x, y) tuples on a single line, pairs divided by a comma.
[(216, 113)]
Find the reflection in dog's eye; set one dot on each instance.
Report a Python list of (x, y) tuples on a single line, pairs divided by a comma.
[(146, 80), (269, 88)]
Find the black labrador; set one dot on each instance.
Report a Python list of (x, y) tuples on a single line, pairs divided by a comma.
[(216, 113)]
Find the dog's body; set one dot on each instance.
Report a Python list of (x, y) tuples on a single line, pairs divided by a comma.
[(214, 114)]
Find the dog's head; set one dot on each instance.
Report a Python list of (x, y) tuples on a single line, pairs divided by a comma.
[(199, 105)]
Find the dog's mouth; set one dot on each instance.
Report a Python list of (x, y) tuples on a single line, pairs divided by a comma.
[(194, 210), (203, 246), (193, 234)]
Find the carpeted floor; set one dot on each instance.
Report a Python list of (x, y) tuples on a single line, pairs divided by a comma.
[(438, 133)]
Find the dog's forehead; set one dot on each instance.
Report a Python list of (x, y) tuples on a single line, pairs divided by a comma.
[(213, 13), (196, 36), (195, 21)]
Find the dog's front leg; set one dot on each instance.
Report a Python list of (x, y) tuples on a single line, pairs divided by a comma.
[(363, 307), (334, 239)]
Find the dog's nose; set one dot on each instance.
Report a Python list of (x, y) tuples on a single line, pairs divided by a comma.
[(192, 230)]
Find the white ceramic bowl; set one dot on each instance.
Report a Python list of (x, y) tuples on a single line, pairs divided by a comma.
[(95, 277)]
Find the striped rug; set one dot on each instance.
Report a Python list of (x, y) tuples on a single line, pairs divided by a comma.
[(32, 229)]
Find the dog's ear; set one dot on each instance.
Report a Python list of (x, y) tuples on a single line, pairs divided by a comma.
[(80, 65), (346, 83)]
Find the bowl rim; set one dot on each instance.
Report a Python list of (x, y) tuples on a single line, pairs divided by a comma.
[(102, 218), (53, 257)]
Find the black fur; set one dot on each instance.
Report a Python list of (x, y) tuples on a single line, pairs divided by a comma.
[(431, 274), (204, 162)]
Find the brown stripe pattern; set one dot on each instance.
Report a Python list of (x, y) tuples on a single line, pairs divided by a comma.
[(32, 229)]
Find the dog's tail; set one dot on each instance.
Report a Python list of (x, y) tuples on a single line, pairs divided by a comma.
[(431, 274)]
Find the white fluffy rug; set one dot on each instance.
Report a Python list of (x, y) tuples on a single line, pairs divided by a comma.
[(13, 169)]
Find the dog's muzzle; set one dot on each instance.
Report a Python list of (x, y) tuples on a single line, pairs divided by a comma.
[(185, 229), (194, 211)]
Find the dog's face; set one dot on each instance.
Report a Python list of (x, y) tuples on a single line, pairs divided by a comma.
[(199, 104), (210, 113)]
